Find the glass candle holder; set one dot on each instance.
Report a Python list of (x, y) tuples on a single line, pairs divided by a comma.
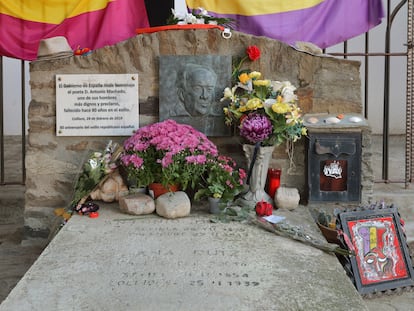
[(273, 181)]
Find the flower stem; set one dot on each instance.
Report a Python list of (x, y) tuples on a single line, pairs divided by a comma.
[(236, 70)]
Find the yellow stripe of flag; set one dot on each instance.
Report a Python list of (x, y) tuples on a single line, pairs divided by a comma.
[(256, 7), (49, 11)]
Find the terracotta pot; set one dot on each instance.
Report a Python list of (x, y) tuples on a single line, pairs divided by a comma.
[(158, 189)]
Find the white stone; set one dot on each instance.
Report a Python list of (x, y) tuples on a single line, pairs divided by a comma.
[(173, 205), (287, 198), (137, 204)]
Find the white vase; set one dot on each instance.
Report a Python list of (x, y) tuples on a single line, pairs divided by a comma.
[(256, 192)]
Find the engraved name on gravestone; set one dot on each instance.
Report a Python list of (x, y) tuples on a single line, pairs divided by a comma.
[(191, 87), (97, 105)]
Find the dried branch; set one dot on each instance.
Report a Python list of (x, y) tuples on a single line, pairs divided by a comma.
[(297, 234)]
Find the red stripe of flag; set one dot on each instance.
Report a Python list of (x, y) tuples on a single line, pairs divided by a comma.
[(117, 22)]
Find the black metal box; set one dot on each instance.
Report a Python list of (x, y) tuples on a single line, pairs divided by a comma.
[(334, 167)]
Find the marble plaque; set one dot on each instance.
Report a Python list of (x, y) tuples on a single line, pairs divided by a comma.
[(97, 105)]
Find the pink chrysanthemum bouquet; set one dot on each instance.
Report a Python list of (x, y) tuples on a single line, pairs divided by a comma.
[(167, 152)]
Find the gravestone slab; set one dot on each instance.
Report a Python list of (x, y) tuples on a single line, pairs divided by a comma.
[(127, 262)]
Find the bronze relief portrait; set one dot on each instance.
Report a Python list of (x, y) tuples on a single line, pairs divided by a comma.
[(190, 91)]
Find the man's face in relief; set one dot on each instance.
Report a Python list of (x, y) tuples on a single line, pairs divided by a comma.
[(199, 94)]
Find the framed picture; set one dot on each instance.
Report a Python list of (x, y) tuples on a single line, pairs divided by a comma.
[(382, 261)]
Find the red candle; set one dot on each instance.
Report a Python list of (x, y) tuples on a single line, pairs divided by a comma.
[(273, 181)]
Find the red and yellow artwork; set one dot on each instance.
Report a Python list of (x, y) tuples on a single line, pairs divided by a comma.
[(378, 251)]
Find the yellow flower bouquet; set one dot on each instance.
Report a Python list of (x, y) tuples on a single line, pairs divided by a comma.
[(265, 111)]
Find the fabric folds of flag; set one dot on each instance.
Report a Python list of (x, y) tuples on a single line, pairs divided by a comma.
[(322, 22), (84, 23)]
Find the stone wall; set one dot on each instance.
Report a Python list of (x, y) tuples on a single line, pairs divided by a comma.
[(325, 84)]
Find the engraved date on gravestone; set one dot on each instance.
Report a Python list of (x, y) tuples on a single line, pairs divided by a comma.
[(201, 279), (226, 279), (225, 283)]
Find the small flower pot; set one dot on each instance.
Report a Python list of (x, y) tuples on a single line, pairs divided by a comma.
[(331, 235), (214, 204), (158, 189)]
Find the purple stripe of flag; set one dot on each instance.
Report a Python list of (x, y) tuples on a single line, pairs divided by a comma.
[(327, 24)]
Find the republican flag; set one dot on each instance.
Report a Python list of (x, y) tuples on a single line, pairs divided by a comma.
[(322, 22), (85, 23)]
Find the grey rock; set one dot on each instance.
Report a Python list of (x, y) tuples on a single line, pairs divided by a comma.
[(137, 204), (173, 205)]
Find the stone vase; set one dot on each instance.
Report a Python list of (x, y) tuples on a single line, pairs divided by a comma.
[(258, 175)]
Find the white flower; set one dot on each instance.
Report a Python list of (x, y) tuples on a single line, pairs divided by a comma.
[(288, 94), (269, 102), (248, 86), (276, 85), (229, 93), (203, 11), (190, 19), (286, 89), (288, 85), (93, 164)]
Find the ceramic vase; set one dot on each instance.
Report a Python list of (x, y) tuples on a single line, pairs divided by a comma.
[(258, 175)]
